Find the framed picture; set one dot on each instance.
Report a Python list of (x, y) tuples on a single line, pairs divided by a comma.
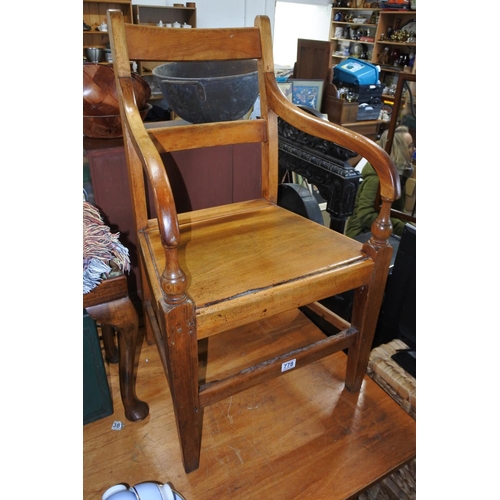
[(286, 88), (307, 92)]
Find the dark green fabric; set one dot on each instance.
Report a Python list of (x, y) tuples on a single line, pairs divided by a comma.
[(97, 402), (364, 207)]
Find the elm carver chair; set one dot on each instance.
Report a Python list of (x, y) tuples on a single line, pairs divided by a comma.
[(218, 269)]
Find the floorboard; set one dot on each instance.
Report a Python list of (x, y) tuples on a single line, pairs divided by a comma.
[(299, 436)]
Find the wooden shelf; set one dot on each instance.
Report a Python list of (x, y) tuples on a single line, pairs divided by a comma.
[(349, 40), (124, 2), (355, 24), (400, 44), (152, 14), (399, 12), (357, 8), (392, 69), (94, 13)]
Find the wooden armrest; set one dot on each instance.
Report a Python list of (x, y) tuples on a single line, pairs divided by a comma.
[(382, 163)]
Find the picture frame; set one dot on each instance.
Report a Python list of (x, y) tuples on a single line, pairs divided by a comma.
[(286, 88), (307, 92)]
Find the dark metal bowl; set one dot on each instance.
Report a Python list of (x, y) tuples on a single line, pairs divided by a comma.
[(209, 91)]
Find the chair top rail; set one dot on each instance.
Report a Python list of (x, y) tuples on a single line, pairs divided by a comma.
[(195, 44)]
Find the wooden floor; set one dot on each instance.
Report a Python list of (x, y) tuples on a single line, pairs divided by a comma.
[(300, 436)]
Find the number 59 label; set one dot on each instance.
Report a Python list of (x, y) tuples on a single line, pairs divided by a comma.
[(288, 365)]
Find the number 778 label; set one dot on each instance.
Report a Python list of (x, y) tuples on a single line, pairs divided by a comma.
[(288, 365)]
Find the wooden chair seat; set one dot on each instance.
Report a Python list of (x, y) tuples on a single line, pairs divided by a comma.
[(251, 243), (224, 269)]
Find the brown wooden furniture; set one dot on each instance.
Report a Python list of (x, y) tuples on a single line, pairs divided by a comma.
[(314, 59), (109, 304), (213, 270), (398, 98), (378, 23), (403, 78)]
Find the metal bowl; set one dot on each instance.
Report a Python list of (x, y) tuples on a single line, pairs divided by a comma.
[(94, 54), (209, 91)]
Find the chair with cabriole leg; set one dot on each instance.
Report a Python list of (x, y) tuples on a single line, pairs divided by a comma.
[(221, 270)]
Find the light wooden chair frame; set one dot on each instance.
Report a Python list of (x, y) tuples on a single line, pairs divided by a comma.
[(218, 269)]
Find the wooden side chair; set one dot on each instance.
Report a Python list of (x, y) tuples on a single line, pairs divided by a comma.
[(110, 304), (106, 300), (214, 270)]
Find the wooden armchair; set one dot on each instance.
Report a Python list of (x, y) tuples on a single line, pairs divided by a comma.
[(218, 269)]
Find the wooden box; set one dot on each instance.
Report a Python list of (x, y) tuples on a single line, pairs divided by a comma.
[(338, 110)]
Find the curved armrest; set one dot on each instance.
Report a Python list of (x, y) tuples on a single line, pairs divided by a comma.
[(173, 279), (144, 157), (378, 158), (390, 188)]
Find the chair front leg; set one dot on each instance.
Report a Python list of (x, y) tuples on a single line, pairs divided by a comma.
[(366, 308), (181, 354)]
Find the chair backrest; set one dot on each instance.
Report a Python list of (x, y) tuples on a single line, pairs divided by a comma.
[(131, 42)]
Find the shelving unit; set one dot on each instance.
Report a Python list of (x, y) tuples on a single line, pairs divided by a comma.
[(373, 27), (151, 15), (375, 39), (341, 32), (394, 20), (94, 13)]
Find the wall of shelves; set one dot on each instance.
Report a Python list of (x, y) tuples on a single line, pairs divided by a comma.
[(94, 13), (393, 21), (365, 33), (344, 29), (151, 15)]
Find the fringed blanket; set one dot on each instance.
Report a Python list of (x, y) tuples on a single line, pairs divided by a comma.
[(102, 251)]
